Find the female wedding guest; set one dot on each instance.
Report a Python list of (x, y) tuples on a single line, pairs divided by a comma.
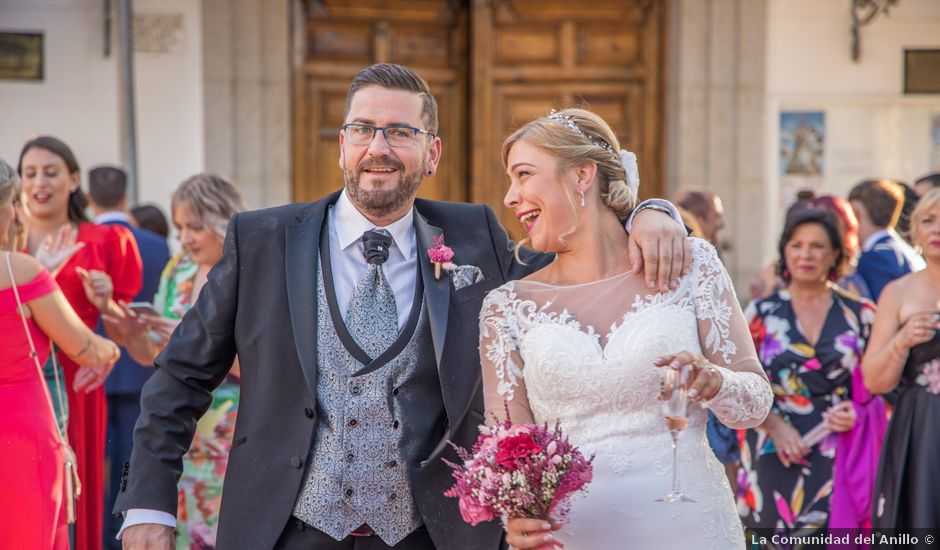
[(32, 472), (109, 265), (768, 281), (201, 208), (905, 352), (581, 341), (810, 337)]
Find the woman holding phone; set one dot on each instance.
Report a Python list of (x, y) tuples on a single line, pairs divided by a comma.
[(201, 209)]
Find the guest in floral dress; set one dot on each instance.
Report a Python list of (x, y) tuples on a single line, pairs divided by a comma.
[(810, 337), (905, 352), (201, 207)]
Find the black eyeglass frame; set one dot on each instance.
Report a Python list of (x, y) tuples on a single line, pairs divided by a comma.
[(384, 129)]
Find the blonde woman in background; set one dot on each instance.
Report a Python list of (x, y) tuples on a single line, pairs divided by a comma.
[(905, 353), (201, 208)]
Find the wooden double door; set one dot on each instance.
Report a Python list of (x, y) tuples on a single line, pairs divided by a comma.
[(492, 65)]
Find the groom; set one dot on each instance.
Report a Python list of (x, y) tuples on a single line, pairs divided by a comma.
[(358, 362)]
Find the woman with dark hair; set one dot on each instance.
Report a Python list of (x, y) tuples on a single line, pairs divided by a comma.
[(151, 218), (105, 266), (810, 336)]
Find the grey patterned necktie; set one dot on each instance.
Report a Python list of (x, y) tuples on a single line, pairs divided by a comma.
[(372, 318)]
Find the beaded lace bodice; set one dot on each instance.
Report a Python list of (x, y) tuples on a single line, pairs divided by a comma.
[(584, 354)]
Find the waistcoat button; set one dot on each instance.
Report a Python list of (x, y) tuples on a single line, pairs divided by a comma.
[(308, 412), (356, 390), (350, 457), (392, 463), (395, 391), (349, 492), (353, 423), (395, 424)]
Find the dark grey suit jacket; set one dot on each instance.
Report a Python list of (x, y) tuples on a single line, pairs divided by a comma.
[(260, 303)]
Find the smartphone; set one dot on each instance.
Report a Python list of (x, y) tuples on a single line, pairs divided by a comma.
[(143, 307)]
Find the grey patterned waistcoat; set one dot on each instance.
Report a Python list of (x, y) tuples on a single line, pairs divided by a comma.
[(373, 430)]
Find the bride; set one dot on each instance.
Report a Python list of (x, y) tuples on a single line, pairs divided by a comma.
[(581, 341)]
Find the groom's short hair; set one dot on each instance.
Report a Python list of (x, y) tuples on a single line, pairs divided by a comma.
[(396, 77)]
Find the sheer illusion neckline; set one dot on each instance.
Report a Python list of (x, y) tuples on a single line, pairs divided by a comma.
[(624, 275)]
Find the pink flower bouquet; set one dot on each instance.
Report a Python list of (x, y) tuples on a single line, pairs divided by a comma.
[(519, 470)]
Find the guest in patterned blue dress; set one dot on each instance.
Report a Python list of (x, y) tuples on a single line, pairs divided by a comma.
[(810, 337)]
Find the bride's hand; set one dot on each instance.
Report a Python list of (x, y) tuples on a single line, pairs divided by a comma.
[(526, 533), (704, 379)]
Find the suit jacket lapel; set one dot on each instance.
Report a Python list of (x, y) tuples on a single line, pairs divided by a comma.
[(436, 291), (300, 263)]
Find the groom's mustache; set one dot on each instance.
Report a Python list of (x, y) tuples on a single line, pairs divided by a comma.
[(384, 161)]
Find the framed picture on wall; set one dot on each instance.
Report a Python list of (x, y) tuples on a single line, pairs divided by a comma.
[(802, 143), (21, 56)]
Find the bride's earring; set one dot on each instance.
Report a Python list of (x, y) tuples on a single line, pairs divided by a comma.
[(582, 199)]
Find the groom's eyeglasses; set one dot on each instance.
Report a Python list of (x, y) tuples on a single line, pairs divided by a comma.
[(395, 136)]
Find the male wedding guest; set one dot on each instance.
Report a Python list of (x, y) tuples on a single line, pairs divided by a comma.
[(151, 218), (810, 337), (709, 215), (358, 364), (107, 194), (109, 261), (707, 209), (885, 256), (905, 353), (926, 182)]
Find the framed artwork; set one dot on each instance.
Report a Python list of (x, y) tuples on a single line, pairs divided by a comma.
[(21, 56), (802, 144)]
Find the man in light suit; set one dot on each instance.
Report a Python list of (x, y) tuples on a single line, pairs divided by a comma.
[(885, 256), (358, 363), (107, 192)]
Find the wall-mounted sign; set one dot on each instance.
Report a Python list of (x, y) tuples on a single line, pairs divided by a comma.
[(922, 71), (21, 56)]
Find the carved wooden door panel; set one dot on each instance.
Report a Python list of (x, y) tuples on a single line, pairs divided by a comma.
[(524, 57), (339, 39), (533, 55)]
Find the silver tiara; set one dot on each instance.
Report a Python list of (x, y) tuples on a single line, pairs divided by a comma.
[(627, 158), (567, 121)]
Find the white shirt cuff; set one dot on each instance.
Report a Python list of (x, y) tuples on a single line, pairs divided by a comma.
[(139, 516), (662, 203)]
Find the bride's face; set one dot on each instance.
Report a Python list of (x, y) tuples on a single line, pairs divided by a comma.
[(537, 196)]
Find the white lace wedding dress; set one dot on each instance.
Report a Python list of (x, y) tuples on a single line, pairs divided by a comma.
[(583, 354)]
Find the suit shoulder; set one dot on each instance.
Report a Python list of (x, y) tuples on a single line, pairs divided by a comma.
[(275, 217), (444, 210)]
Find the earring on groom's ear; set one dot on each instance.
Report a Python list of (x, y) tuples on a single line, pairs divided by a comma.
[(430, 172)]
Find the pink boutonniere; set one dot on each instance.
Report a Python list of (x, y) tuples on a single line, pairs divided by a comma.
[(440, 255)]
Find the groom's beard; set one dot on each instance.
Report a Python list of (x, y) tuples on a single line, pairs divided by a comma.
[(382, 202)]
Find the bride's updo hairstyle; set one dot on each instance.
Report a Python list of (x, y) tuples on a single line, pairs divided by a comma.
[(590, 140)]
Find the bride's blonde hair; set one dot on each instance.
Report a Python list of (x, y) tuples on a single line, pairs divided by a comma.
[(572, 148)]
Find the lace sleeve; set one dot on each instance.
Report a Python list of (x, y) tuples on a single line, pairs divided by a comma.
[(745, 396), (503, 381)]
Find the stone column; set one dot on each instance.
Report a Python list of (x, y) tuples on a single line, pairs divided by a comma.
[(715, 119), (246, 60)]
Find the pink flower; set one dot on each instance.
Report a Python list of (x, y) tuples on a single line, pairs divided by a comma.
[(440, 253), (514, 448), (472, 512)]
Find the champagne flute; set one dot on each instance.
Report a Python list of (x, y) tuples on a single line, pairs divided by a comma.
[(676, 413)]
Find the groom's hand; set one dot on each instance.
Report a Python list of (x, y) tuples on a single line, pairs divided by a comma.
[(148, 536), (659, 246)]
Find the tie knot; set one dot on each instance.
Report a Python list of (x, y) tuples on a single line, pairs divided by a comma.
[(376, 243)]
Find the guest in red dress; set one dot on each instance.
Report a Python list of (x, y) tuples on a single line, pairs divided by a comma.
[(32, 505), (106, 268)]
